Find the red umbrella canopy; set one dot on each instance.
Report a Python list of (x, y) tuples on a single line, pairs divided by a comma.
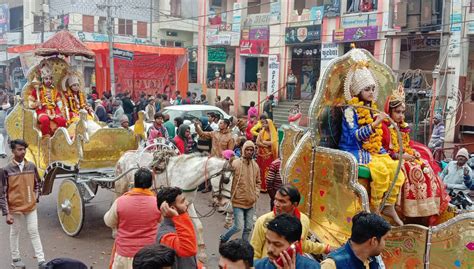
[(64, 43)]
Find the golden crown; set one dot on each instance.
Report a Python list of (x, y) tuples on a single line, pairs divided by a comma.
[(398, 94)]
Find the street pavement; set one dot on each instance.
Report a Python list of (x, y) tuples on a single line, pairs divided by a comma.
[(93, 245)]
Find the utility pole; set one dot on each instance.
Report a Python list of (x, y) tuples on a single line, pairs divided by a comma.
[(151, 21), (110, 33), (43, 2)]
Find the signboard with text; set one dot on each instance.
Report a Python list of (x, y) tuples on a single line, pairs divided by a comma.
[(302, 34), (254, 47), (261, 33), (123, 54), (253, 20), (355, 34), (332, 8), (273, 75), (358, 20)]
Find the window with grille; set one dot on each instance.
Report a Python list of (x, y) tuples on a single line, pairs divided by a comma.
[(141, 29), (88, 23), (125, 27)]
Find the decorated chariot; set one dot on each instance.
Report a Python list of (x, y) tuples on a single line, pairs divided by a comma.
[(65, 140), (334, 187)]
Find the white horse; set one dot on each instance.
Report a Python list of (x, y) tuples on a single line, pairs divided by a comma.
[(184, 171)]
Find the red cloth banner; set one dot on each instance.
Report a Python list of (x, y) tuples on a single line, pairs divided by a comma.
[(146, 73)]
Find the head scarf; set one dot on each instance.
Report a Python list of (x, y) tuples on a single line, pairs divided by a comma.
[(463, 152), (252, 112), (182, 133), (273, 136)]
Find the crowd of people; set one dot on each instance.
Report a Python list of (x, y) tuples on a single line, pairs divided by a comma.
[(154, 230)]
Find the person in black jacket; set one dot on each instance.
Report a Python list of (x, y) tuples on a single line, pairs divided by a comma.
[(128, 107), (204, 145)]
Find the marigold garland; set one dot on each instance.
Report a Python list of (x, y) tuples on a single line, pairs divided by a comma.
[(50, 101), (405, 140), (75, 107), (374, 144)]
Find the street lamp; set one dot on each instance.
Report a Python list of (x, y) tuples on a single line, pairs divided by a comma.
[(217, 74), (259, 77)]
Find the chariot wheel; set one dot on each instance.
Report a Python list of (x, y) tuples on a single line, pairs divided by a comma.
[(70, 207)]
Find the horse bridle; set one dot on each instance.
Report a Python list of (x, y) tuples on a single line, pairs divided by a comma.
[(226, 168)]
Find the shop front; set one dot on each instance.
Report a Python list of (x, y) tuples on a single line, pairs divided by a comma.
[(305, 50)]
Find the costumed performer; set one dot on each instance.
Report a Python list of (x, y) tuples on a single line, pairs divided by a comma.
[(46, 101), (74, 97), (362, 135), (267, 152), (423, 194)]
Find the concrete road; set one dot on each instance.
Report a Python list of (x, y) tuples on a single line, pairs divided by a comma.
[(93, 245)]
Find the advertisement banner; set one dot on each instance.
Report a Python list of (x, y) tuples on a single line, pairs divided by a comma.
[(332, 8), (216, 55), (145, 73), (254, 47), (273, 75), (237, 18), (275, 12), (261, 33), (358, 20), (317, 14), (4, 19), (328, 52), (303, 34), (355, 34), (253, 20)]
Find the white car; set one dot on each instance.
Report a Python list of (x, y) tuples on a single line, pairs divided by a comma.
[(192, 112)]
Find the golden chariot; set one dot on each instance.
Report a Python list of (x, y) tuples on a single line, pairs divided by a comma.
[(333, 186), (83, 161)]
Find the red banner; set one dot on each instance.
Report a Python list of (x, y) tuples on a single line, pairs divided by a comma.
[(255, 47), (146, 73)]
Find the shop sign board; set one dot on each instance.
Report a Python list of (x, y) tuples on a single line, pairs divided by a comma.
[(273, 75), (253, 20), (261, 33), (329, 51), (425, 44), (332, 8), (254, 47), (358, 20), (225, 38), (216, 55), (237, 18), (355, 34), (95, 37), (303, 34), (317, 14)]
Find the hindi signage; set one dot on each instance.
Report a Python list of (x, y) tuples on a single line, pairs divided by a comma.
[(123, 54), (261, 33), (332, 8), (355, 34), (273, 75), (253, 20), (303, 34), (254, 47), (358, 20)]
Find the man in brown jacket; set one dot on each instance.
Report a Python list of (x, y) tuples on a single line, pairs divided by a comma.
[(221, 139), (19, 192), (244, 192)]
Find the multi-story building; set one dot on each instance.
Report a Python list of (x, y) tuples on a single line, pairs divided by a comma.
[(151, 22)]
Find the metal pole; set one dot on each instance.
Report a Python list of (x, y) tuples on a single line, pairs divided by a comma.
[(111, 48), (217, 86), (42, 20), (151, 21), (258, 95)]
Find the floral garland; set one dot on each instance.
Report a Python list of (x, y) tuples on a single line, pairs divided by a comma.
[(72, 102), (374, 144), (48, 101), (405, 139)]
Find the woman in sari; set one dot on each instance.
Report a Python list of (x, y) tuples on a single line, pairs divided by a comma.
[(267, 143), (423, 194)]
